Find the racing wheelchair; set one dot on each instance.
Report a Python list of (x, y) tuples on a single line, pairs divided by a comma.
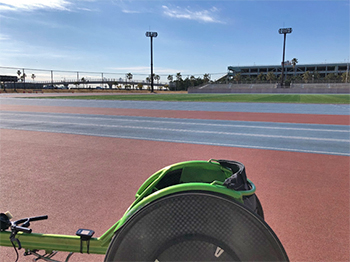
[(188, 211)]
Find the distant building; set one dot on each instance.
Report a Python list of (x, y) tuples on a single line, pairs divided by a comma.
[(321, 69), (6, 78)]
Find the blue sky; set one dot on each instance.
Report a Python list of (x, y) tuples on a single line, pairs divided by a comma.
[(194, 37)]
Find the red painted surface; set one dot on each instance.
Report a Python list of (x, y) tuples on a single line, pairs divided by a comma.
[(241, 116), (88, 182)]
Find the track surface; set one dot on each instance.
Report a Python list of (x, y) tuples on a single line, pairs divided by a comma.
[(310, 138), (89, 180), (319, 109)]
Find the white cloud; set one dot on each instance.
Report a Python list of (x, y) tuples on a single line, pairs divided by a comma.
[(130, 11), (15, 5), (206, 16), (4, 37), (86, 9)]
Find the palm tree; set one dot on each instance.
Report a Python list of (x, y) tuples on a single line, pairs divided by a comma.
[(316, 75), (306, 76), (206, 78), (237, 77), (345, 77), (84, 81), (294, 63), (157, 78), (193, 80), (19, 73), (178, 80), (178, 76), (270, 77), (33, 77), (170, 79), (148, 80), (261, 77), (129, 76), (23, 77), (330, 77), (19, 77)]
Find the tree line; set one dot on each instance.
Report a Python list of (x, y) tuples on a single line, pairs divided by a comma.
[(307, 77), (177, 82), (183, 84)]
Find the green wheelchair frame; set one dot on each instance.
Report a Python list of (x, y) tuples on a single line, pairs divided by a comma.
[(208, 176)]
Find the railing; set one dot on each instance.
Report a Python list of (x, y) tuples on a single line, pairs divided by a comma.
[(100, 81)]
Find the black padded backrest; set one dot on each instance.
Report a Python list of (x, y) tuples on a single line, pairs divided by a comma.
[(238, 181), (170, 179)]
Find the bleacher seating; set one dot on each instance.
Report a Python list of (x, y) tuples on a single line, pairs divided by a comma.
[(340, 88)]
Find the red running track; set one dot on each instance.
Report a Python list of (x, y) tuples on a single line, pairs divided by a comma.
[(83, 181)]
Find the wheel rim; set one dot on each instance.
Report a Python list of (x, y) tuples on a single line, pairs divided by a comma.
[(193, 226)]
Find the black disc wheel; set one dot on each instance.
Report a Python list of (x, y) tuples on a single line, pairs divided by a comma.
[(195, 226)]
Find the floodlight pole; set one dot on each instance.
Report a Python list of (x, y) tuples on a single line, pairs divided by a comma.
[(151, 35), (284, 31)]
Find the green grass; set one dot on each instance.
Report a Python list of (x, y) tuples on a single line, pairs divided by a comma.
[(250, 98)]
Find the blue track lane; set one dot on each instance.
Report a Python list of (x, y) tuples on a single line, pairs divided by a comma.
[(310, 138), (324, 109)]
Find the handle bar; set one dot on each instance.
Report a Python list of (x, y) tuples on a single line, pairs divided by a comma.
[(25, 223), (22, 229), (28, 219), (38, 218)]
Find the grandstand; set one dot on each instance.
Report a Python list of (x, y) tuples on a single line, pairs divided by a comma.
[(252, 79), (321, 69)]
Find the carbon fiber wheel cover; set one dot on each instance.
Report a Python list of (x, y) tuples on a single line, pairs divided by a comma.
[(195, 226)]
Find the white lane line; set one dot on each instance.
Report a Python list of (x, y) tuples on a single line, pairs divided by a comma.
[(190, 123), (189, 142), (184, 130)]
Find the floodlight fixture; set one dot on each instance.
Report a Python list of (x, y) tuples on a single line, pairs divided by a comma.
[(284, 31), (151, 35)]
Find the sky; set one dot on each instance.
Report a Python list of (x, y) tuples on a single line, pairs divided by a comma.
[(194, 37)]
